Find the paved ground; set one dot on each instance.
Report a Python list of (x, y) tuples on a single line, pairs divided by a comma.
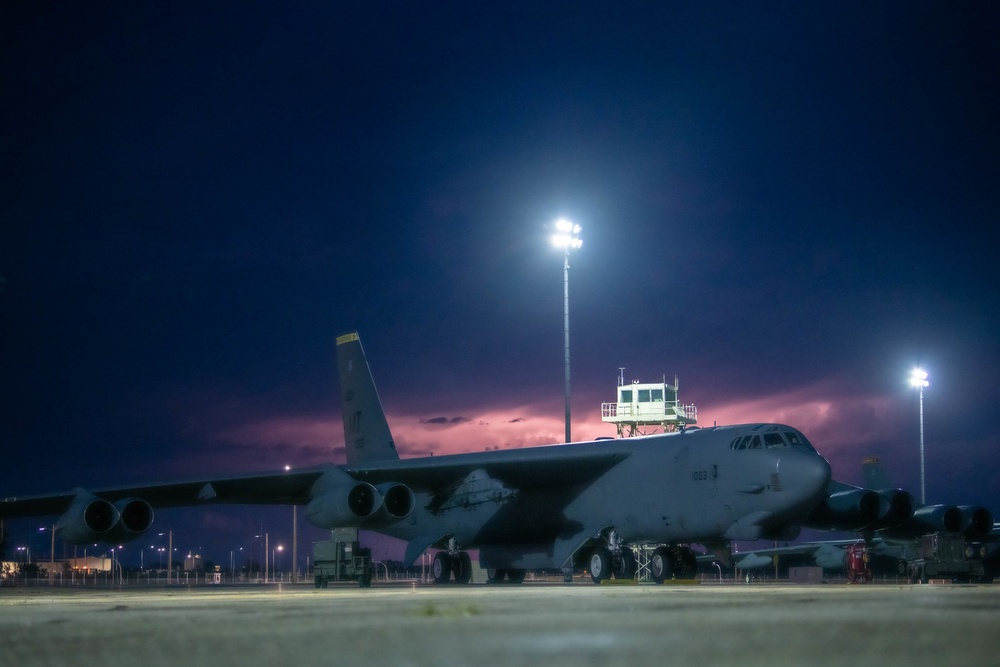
[(503, 625)]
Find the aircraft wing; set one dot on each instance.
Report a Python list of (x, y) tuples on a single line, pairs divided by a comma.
[(514, 470), (275, 488), (525, 469)]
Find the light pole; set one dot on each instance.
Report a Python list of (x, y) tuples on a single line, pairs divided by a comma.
[(918, 379), (567, 238)]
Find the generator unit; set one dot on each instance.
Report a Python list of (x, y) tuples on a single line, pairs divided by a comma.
[(341, 558)]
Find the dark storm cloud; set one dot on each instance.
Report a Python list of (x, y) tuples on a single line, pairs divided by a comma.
[(444, 421)]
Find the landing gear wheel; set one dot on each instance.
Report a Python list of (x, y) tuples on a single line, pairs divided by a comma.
[(687, 565), (495, 576), (462, 566), (659, 565), (516, 576), (441, 568), (625, 565), (600, 564)]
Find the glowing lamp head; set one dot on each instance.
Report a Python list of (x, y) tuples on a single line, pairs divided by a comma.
[(566, 235), (918, 378)]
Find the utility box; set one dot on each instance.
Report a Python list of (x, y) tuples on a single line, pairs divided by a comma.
[(341, 558), (945, 556), (805, 575)]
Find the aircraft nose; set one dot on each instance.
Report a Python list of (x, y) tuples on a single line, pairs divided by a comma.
[(806, 475)]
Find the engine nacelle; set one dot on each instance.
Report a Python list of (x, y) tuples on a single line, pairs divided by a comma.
[(978, 521), (340, 501), (929, 519), (88, 519), (895, 507), (397, 503), (135, 518), (938, 517), (399, 500), (850, 509), (344, 506)]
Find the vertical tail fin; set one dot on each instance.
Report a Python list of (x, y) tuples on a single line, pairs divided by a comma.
[(875, 475), (366, 432)]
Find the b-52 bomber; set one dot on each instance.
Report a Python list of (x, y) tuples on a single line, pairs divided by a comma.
[(578, 505)]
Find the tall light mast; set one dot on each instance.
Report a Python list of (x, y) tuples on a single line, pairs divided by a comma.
[(567, 238), (918, 379)]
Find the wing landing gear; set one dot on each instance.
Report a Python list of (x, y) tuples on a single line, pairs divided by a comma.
[(453, 562)]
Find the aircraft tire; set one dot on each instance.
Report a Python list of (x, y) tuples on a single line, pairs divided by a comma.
[(462, 565), (441, 568), (600, 564), (495, 576), (516, 576), (688, 566), (625, 565), (659, 565)]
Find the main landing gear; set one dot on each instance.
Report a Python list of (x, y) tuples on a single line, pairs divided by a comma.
[(672, 562), (616, 559), (447, 564)]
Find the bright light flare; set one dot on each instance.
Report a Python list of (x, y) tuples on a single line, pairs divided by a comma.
[(566, 236), (918, 378)]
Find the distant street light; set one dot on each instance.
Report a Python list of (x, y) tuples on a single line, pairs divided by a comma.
[(274, 559), (566, 237), (918, 379)]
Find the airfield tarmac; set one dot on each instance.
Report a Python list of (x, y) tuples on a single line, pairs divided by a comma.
[(502, 625)]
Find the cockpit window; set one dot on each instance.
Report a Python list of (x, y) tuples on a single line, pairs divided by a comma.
[(798, 440), (774, 440), (770, 440)]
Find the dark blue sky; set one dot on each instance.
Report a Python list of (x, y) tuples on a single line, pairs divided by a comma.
[(789, 205)]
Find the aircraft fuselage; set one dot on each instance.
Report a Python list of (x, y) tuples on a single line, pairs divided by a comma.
[(693, 486)]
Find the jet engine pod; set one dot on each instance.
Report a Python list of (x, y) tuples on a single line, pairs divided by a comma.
[(939, 517), (896, 506), (88, 519), (398, 500), (978, 521), (135, 518), (344, 506), (851, 509), (931, 519)]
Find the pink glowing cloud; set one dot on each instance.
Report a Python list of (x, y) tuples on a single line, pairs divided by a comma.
[(835, 423), (844, 425)]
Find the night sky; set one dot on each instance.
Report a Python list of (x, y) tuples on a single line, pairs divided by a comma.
[(788, 205)]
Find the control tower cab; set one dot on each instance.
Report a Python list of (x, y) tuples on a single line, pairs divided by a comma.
[(644, 408)]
